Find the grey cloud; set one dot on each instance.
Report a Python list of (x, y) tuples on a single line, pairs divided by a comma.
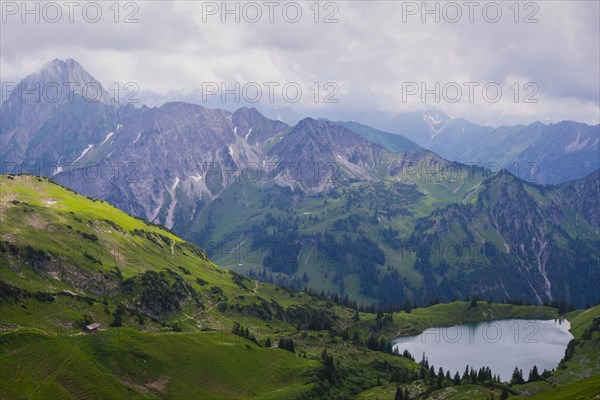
[(370, 53)]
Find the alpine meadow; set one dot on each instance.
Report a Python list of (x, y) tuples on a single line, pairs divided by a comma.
[(300, 200)]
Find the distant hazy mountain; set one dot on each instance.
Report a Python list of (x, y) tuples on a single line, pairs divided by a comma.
[(371, 205), (541, 153)]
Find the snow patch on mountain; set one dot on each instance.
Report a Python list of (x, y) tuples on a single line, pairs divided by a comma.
[(110, 134), (58, 168), (436, 123), (84, 152)]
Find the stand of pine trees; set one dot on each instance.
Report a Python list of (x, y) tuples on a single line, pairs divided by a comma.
[(239, 330), (286, 344)]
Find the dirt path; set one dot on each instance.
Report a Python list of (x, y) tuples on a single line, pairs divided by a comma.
[(254, 292)]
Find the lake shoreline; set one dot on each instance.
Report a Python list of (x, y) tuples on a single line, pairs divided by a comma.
[(500, 344)]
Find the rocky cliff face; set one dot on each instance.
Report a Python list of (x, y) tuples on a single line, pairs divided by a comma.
[(54, 113), (158, 157), (317, 154)]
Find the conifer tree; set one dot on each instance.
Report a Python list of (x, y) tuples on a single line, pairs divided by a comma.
[(517, 377), (399, 394), (534, 375), (456, 379)]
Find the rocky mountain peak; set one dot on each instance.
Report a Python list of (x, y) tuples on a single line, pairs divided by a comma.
[(67, 76)]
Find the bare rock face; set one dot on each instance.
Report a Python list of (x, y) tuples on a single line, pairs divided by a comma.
[(54, 113), (177, 153), (317, 154)]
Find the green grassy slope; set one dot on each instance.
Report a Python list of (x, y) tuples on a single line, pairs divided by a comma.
[(132, 364), (585, 389), (166, 314)]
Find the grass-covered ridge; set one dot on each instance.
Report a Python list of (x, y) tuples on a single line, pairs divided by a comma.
[(167, 314)]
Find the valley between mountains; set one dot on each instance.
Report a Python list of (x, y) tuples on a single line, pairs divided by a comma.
[(182, 252)]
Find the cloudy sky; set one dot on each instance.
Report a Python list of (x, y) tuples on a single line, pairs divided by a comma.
[(389, 56)]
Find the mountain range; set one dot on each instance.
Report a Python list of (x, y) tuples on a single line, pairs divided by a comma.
[(540, 153), (417, 215)]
